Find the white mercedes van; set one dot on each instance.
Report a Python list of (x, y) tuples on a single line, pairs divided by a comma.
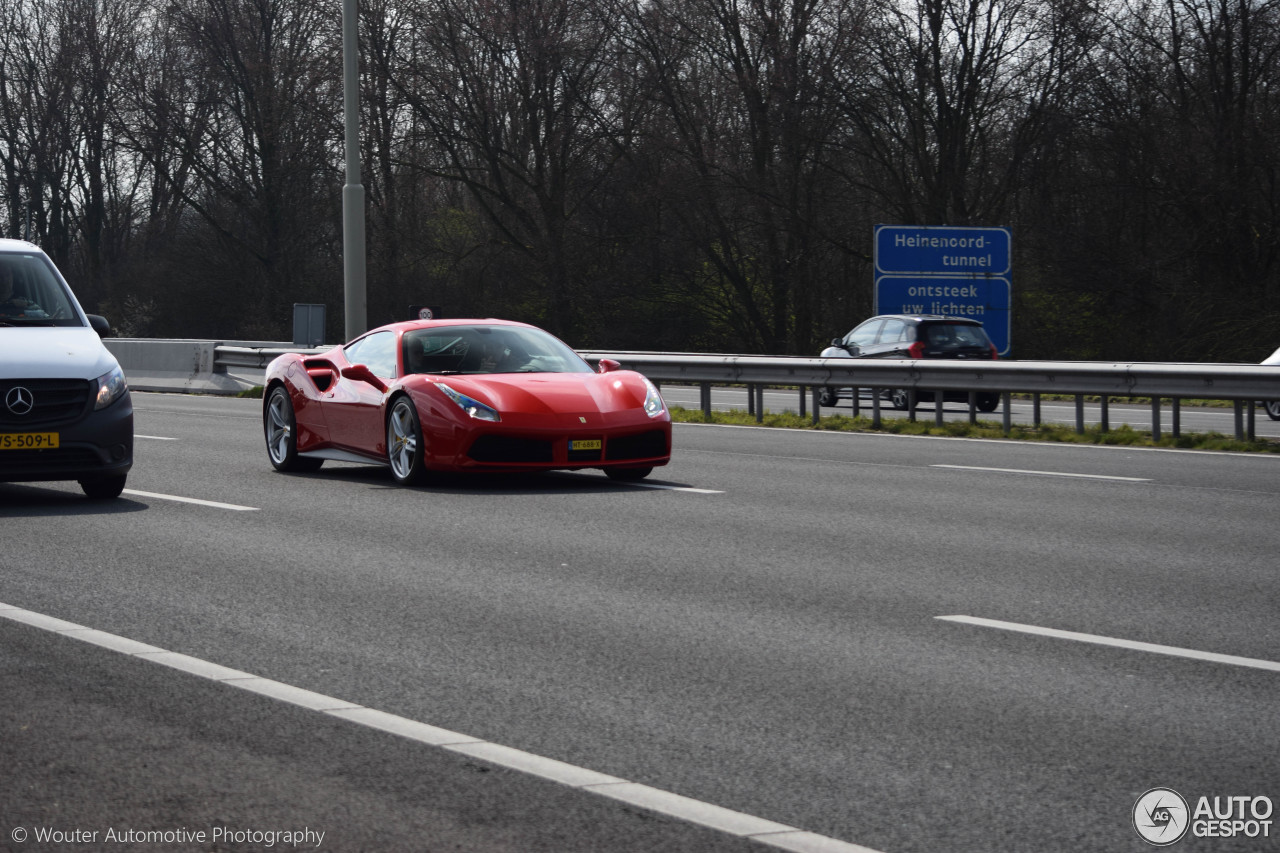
[(65, 410)]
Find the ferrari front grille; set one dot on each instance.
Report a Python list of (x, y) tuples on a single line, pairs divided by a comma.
[(643, 445), (506, 449)]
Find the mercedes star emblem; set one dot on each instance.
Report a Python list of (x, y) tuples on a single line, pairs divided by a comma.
[(19, 400)]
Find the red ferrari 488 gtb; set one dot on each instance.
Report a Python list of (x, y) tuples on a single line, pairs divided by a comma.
[(456, 395)]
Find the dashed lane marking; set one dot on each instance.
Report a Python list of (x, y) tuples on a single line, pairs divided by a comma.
[(1175, 651), (1046, 473), (197, 501)]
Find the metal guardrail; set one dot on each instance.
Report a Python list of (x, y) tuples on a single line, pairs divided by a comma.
[(1242, 384), (253, 358)]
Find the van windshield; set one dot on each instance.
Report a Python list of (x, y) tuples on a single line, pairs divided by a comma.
[(31, 293)]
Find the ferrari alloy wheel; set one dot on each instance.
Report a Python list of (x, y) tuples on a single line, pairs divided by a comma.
[(1273, 409), (826, 397), (901, 399), (988, 402), (280, 428), (405, 447)]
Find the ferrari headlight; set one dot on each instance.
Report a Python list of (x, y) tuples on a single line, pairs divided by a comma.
[(653, 405), (470, 405), (111, 387)]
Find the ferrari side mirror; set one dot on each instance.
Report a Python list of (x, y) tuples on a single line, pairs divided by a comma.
[(361, 373), (608, 365)]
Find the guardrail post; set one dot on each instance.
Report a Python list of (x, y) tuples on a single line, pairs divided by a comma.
[(911, 405), (973, 407), (1177, 416), (704, 391), (751, 399), (759, 395), (1035, 409), (1155, 418), (875, 408), (1105, 411), (803, 401), (1080, 414), (1008, 415), (937, 408), (816, 416), (1238, 412), (857, 401), (1250, 419)]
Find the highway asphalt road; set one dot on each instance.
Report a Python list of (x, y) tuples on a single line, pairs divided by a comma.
[(1193, 418), (811, 635)]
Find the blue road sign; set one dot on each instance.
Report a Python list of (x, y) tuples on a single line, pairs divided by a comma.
[(976, 297), (918, 250), (960, 272)]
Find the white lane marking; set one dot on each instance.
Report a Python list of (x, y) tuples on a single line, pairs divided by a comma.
[(1096, 639), (689, 489), (155, 437), (1046, 473), (197, 501), (692, 811)]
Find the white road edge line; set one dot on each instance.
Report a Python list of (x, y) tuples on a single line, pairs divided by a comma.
[(689, 810), (197, 501), (1175, 651), (155, 437), (1046, 473)]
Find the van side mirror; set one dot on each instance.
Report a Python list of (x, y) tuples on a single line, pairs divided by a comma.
[(100, 325)]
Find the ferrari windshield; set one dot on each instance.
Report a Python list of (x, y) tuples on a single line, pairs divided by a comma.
[(488, 349), (31, 294)]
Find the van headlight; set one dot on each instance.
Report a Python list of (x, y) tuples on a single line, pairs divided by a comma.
[(111, 387)]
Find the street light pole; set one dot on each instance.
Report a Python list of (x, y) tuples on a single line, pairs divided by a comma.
[(353, 251)]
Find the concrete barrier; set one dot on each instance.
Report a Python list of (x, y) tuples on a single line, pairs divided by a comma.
[(178, 366)]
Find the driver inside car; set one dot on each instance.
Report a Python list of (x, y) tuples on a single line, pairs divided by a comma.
[(10, 305)]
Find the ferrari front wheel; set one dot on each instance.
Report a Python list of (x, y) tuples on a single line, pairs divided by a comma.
[(405, 447), (280, 428)]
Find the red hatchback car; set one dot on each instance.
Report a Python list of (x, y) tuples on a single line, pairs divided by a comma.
[(462, 395)]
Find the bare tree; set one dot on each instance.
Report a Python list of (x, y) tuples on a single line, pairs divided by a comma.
[(752, 120), (510, 95), (244, 131)]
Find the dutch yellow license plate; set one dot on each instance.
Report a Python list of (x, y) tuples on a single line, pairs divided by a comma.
[(28, 440), (586, 444)]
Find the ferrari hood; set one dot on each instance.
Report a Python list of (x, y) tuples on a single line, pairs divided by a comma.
[(44, 352), (555, 393)]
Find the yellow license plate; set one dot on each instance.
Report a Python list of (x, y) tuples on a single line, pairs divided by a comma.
[(586, 444), (28, 440)]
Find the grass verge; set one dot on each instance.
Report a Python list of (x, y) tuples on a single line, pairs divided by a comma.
[(1123, 435)]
